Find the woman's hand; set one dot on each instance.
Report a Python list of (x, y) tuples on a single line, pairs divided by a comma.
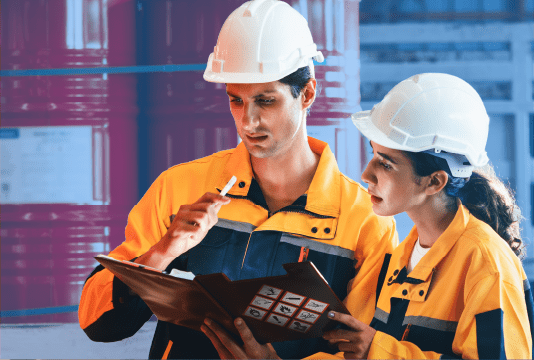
[(229, 349), (354, 343)]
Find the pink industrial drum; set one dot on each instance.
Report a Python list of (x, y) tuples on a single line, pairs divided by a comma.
[(69, 150), (184, 116)]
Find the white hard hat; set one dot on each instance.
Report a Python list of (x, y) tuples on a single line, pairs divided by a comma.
[(261, 41), (437, 112)]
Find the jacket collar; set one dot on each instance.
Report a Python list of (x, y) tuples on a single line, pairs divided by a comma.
[(438, 251), (324, 193)]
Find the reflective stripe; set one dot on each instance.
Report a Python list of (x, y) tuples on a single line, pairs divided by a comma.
[(381, 315), (436, 324), (526, 285), (235, 225), (318, 246), (167, 351)]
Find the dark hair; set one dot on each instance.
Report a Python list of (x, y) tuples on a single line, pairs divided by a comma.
[(484, 195), (297, 81)]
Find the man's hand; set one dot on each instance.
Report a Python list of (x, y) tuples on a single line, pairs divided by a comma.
[(354, 343), (192, 223), (188, 228), (229, 349)]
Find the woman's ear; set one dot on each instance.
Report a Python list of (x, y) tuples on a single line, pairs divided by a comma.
[(438, 180), (308, 93)]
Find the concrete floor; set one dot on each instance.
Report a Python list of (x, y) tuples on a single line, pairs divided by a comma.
[(68, 341)]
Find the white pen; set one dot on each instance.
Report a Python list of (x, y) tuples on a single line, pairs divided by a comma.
[(228, 185)]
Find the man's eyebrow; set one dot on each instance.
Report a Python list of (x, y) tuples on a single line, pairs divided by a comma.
[(255, 96)]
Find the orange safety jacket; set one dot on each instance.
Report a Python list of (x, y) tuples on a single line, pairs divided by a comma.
[(468, 297), (334, 221)]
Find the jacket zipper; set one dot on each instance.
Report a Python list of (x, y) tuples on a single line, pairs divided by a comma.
[(406, 332), (246, 250)]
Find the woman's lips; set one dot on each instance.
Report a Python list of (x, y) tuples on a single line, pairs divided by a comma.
[(375, 199)]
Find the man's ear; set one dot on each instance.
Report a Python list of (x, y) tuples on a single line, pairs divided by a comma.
[(308, 93), (437, 182)]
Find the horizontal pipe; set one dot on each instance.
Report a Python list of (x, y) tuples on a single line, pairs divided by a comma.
[(39, 311)]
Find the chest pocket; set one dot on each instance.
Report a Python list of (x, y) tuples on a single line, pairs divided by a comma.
[(218, 252)]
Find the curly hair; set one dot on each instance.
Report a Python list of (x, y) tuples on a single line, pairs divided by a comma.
[(484, 195)]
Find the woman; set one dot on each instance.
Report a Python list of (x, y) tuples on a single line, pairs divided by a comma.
[(455, 286)]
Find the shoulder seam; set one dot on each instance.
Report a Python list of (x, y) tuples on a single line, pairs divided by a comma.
[(483, 249)]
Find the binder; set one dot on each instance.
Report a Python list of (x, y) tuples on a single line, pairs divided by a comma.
[(275, 308)]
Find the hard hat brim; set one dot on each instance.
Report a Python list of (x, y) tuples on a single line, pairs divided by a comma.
[(241, 78), (363, 122)]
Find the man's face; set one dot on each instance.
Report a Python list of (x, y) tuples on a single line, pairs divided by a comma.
[(267, 117)]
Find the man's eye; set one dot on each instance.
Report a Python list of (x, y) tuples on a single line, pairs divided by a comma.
[(265, 101), (236, 100), (385, 165)]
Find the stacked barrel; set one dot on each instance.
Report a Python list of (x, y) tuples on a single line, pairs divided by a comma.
[(69, 150), (335, 29), (184, 117), (70, 160)]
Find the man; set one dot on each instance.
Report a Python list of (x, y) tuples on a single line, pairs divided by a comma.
[(290, 202)]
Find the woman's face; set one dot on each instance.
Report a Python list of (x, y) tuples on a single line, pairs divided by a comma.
[(393, 185)]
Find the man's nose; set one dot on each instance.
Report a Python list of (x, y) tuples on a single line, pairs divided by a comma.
[(250, 119)]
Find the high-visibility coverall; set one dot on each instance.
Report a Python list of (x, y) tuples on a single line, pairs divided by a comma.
[(334, 220), (468, 297)]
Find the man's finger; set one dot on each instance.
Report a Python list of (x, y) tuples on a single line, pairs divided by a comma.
[(196, 218), (224, 353), (348, 320), (350, 355), (340, 335), (207, 205), (212, 198), (245, 332), (226, 340)]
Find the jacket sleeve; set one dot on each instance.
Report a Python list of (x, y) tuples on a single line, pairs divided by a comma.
[(108, 310), (377, 239), (494, 325)]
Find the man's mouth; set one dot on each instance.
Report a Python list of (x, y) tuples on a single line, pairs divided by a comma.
[(256, 138)]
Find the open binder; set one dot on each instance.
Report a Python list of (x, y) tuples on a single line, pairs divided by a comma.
[(276, 308)]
